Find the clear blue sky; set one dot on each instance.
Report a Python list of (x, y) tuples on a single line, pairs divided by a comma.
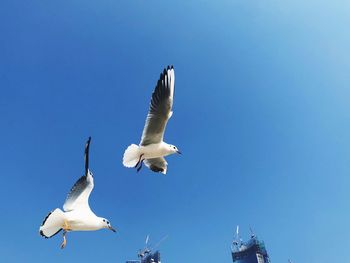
[(261, 115)]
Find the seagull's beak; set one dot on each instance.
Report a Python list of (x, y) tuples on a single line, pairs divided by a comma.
[(178, 152), (112, 229)]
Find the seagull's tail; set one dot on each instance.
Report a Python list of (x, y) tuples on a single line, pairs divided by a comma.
[(52, 223), (131, 156)]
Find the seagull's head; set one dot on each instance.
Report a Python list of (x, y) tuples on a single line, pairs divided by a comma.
[(106, 224), (174, 149)]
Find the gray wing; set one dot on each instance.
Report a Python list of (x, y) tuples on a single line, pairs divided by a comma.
[(157, 164), (160, 108), (78, 197)]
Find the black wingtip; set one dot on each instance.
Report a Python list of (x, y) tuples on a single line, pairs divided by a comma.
[(169, 67), (156, 169), (87, 146)]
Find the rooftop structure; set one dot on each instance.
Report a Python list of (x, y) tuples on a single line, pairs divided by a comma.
[(146, 255), (253, 251)]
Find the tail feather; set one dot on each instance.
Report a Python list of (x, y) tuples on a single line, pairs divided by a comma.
[(131, 156), (52, 223)]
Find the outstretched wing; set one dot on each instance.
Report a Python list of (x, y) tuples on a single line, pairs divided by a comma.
[(78, 197), (158, 165), (160, 108)]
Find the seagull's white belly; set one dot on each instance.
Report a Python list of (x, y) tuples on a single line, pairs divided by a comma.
[(154, 150), (83, 226), (82, 221)]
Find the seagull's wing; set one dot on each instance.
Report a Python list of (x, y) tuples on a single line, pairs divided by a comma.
[(78, 196), (157, 164), (160, 108)]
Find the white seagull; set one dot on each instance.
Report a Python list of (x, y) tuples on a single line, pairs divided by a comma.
[(152, 148), (77, 215)]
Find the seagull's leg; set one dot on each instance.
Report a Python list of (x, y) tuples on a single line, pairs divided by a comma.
[(138, 161), (138, 169), (64, 243), (66, 228)]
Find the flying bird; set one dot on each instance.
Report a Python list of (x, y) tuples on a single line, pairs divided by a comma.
[(152, 149), (77, 215)]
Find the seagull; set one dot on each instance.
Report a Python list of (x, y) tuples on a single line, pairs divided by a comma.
[(152, 148), (77, 215)]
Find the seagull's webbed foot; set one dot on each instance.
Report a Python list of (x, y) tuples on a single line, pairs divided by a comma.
[(64, 242), (138, 162)]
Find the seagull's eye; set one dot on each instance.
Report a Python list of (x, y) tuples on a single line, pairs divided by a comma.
[(174, 147), (107, 222), (104, 220)]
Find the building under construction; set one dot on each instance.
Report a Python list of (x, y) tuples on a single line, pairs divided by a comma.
[(146, 255), (253, 251)]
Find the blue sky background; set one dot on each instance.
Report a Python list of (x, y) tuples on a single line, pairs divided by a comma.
[(261, 115)]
